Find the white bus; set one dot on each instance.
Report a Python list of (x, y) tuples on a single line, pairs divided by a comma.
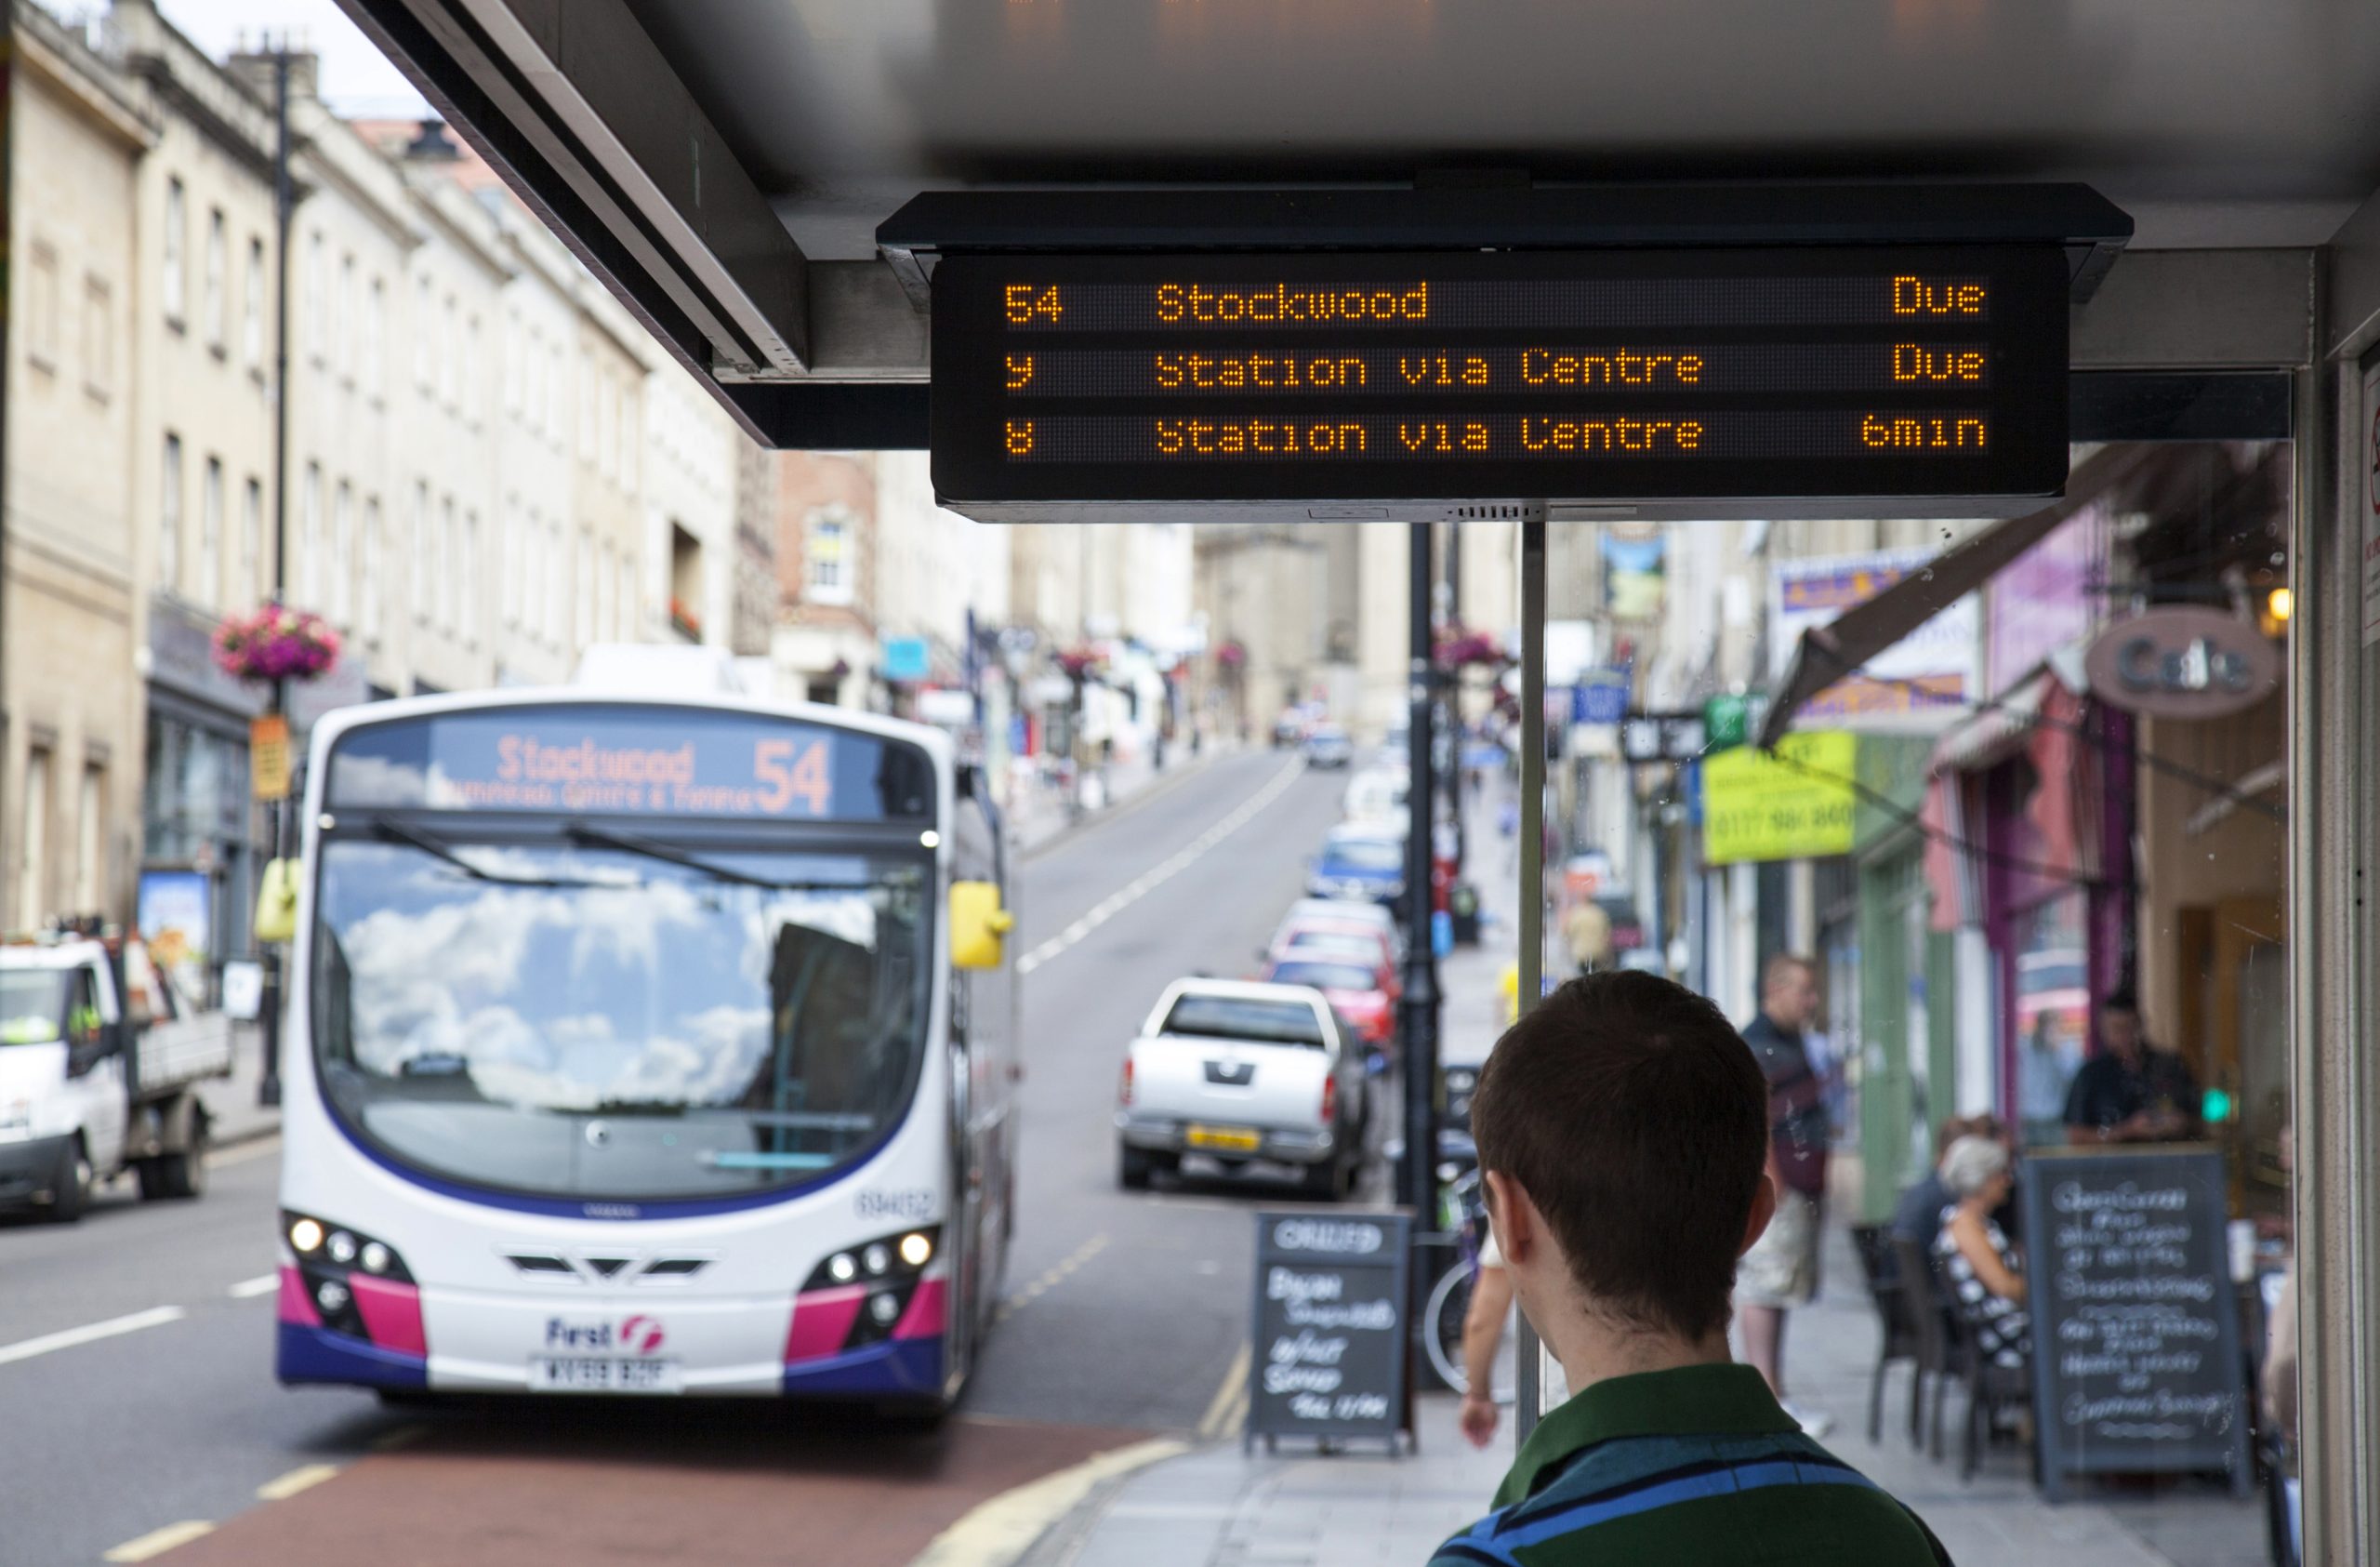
[(643, 1045)]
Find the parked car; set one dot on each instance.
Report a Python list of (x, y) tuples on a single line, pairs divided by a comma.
[(1377, 795), (1333, 942), (1358, 863), (1341, 912), (1361, 992), (1240, 1071), (1328, 746), (1288, 729)]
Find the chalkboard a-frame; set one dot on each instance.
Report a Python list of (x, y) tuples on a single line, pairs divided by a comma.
[(2136, 1357), (1328, 1357)]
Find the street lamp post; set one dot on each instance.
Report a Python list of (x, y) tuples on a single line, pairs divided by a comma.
[(278, 813), (1419, 1005)]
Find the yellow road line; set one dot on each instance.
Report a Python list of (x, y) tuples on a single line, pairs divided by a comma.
[(998, 1532), (157, 1542), (304, 1478), (1056, 1275), (1220, 1407)]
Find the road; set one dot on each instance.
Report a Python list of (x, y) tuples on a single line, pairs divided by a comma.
[(134, 1349)]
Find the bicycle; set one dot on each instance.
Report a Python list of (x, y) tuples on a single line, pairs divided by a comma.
[(1463, 1212)]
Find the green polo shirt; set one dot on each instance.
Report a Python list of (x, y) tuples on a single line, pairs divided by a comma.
[(1697, 1464)]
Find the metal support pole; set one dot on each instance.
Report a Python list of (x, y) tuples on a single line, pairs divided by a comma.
[(1532, 953), (1419, 1005), (279, 816)]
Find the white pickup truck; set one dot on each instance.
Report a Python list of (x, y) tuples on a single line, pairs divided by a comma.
[(100, 1061), (1238, 1071)]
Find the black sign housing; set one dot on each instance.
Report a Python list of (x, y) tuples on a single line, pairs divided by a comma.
[(1329, 1359), (1873, 378)]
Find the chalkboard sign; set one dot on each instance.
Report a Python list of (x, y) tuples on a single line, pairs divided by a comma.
[(2137, 1361), (1329, 1362)]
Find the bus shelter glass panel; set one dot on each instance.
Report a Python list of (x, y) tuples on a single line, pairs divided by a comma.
[(2030, 862)]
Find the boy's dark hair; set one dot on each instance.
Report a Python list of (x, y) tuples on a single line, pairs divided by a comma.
[(1635, 1117)]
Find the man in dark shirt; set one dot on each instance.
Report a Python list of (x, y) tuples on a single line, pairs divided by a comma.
[(1623, 1132), (1782, 1271), (2131, 1092)]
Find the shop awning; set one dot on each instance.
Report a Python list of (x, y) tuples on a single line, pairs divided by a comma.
[(1826, 654)]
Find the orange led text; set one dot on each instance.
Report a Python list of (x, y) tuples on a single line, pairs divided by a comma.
[(1020, 371), (1608, 435), (1622, 367), (1270, 372), (1442, 436), (1197, 303), (1442, 369), (1906, 433), (1025, 304), (1915, 296), (1020, 438), (1258, 437), (1915, 361)]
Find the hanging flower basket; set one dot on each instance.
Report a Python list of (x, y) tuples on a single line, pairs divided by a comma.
[(275, 642), (1457, 648)]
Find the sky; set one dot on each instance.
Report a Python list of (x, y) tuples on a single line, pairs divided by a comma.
[(358, 81)]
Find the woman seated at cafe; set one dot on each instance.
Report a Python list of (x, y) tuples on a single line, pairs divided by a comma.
[(1984, 1269)]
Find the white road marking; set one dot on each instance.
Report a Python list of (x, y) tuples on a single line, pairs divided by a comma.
[(248, 1289), (1149, 881), (998, 1532), (302, 1479), (26, 1349), (157, 1542)]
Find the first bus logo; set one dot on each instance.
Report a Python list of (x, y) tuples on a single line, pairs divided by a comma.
[(639, 1334)]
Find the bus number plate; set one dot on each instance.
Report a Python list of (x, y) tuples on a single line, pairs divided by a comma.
[(598, 1374)]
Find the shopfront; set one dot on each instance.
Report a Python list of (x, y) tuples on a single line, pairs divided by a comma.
[(201, 838)]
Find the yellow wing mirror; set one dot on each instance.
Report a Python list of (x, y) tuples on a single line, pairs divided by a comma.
[(978, 924), (277, 901)]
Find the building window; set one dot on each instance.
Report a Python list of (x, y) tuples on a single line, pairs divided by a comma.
[(630, 437), (175, 284), (252, 310), (252, 540), (217, 283), (91, 838), (210, 533), (632, 612), (422, 323), (607, 597), (450, 611), (425, 553), (583, 611), (318, 325), (33, 866), (345, 326), (449, 341), (41, 309), (99, 336), (825, 559), (469, 578), (369, 606), (309, 539), (375, 336), (553, 396), (471, 370), (343, 553), (169, 516)]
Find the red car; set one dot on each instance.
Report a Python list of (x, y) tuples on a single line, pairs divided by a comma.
[(1359, 992)]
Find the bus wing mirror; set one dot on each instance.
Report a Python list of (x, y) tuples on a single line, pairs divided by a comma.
[(978, 924), (277, 902)]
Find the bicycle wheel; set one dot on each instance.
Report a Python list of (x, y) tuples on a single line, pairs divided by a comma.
[(1442, 1326)]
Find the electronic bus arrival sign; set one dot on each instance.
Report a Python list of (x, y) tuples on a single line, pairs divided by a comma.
[(1876, 375)]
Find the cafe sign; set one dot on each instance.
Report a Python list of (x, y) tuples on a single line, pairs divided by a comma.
[(2183, 663)]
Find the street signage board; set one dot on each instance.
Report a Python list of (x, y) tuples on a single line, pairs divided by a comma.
[(269, 757), (1878, 376), (2183, 662), (1329, 1357), (1794, 804), (2136, 1320)]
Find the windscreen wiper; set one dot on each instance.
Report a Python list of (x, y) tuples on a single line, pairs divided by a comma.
[(438, 848), (603, 838)]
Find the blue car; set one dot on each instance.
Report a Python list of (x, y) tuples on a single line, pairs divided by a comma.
[(1358, 865)]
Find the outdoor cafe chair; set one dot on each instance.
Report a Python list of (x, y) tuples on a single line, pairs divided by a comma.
[(1896, 1335)]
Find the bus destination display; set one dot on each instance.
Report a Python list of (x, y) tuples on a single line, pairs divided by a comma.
[(1622, 375)]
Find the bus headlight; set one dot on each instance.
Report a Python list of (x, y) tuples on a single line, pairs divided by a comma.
[(878, 1282), (333, 1265), (342, 1247), (917, 1249), (842, 1268), (877, 1258), (376, 1257), (306, 1236)]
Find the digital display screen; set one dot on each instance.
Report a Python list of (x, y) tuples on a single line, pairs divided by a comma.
[(1611, 375), (600, 759)]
